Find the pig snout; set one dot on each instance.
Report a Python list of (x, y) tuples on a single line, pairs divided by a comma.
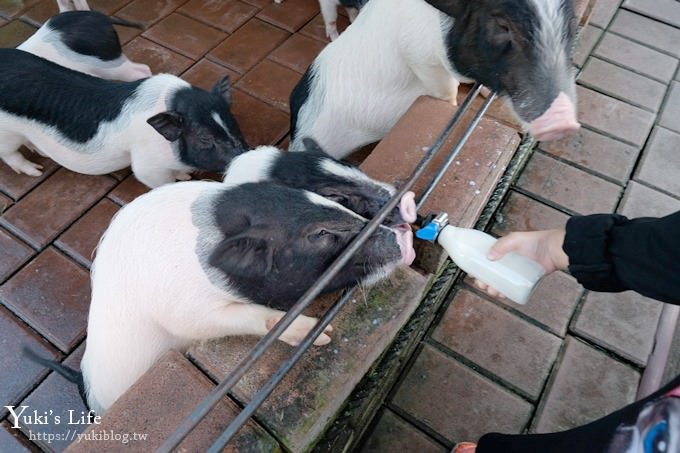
[(405, 241), (558, 121)]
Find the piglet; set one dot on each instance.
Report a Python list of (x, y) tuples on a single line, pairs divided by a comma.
[(86, 41), (317, 172), (329, 12), (203, 259), (161, 126), (362, 83)]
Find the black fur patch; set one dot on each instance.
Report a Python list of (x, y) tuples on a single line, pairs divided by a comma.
[(277, 243), (298, 97), (87, 33), (358, 4), (75, 103)]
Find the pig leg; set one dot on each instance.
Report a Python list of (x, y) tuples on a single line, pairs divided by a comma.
[(9, 152), (352, 13), (329, 11), (128, 71), (20, 164), (182, 175), (240, 319), (438, 82), (149, 172)]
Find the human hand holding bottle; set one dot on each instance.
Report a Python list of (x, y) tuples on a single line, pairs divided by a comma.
[(544, 247)]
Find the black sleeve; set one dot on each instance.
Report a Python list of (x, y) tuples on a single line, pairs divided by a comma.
[(610, 253)]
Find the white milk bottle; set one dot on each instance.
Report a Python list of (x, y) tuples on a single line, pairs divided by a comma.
[(515, 276)]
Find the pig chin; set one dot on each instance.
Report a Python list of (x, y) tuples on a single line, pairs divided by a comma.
[(556, 122)]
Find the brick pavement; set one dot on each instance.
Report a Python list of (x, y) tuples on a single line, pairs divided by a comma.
[(564, 342)]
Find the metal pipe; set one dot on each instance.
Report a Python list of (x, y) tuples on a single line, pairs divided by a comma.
[(221, 390)]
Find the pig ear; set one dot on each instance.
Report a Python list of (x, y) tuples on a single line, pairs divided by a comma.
[(312, 145), (168, 124), (243, 256), (453, 8), (223, 88)]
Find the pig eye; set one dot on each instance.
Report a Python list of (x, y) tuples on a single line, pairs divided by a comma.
[(501, 34), (322, 235)]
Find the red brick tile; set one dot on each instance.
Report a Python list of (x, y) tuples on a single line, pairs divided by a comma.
[(185, 35), (270, 82), (670, 116), (59, 396), (313, 392), (16, 185), (14, 33), (622, 322), (316, 28), (260, 123), (623, 84), (588, 385), (636, 57), (439, 392), (614, 117), (168, 409), (81, 239), (121, 174), (108, 6), (647, 31), (516, 351), (5, 202), (127, 34), (595, 152), (148, 12), (40, 12), (586, 41), (521, 213), (53, 295), (24, 374), (667, 11), (567, 186), (128, 190), (248, 45), (11, 9), (394, 434), (290, 15), (13, 254), (11, 438), (297, 53), (660, 166), (258, 3), (227, 15), (44, 213), (205, 74), (159, 58), (642, 201)]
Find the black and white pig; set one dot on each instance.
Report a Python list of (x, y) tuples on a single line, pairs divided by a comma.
[(161, 126), (362, 83), (85, 41), (329, 12), (202, 259), (317, 172)]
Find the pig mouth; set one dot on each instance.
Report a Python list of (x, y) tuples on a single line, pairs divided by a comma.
[(405, 241), (559, 120)]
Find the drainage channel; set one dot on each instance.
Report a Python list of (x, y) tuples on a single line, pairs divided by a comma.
[(223, 388)]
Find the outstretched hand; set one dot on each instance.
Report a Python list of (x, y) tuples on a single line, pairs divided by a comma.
[(544, 247)]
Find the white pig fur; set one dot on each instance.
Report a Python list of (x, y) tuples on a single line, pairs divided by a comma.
[(408, 57)]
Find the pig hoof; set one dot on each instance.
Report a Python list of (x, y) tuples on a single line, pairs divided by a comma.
[(332, 33), (183, 176), (28, 168), (297, 331)]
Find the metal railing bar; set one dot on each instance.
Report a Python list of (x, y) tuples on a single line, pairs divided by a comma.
[(276, 378), (455, 151), (221, 390)]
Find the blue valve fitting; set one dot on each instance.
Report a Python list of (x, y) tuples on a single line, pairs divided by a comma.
[(430, 231)]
